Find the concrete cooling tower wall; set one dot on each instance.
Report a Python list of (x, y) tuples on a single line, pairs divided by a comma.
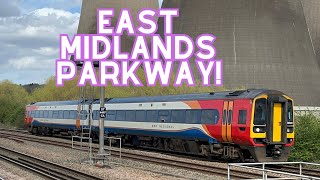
[(312, 13), (263, 43), (88, 22)]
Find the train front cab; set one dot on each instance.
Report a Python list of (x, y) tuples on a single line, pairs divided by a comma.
[(271, 129)]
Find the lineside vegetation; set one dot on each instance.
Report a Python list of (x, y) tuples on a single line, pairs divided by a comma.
[(307, 139)]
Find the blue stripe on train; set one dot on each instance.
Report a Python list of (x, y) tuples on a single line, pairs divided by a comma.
[(190, 134)]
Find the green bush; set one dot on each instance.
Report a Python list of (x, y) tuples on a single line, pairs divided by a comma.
[(13, 99), (307, 139)]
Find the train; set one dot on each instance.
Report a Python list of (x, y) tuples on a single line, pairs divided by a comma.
[(244, 125)]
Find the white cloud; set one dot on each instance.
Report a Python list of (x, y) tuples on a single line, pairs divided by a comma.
[(57, 13), (30, 42), (46, 51), (31, 63), (23, 63)]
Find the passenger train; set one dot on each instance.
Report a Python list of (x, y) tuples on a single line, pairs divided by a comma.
[(237, 125)]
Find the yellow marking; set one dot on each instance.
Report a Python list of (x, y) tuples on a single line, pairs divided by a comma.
[(277, 115), (193, 104), (290, 135), (223, 126), (253, 134), (78, 123), (229, 134)]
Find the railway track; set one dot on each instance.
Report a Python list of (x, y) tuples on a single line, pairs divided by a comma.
[(42, 167), (186, 164), (214, 170), (15, 130), (296, 170)]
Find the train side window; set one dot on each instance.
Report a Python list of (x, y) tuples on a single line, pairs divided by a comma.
[(152, 116), (178, 116), (140, 116), (242, 117), (111, 115), (45, 114), (230, 115), (73, 114), (37, 114), (164, 116), (121, 115), (55, 114), (50, 114), (130, 115), (66, 115), (98, 114), (210, 116), (224, 118), (260, 112), (95, 115), (60, 116), (83, 114), (33, 114), (41, 114), (163, 113), (193, 116)]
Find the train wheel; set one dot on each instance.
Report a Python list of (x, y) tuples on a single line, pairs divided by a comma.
[(34, 130), (29, 129), (241, 158)]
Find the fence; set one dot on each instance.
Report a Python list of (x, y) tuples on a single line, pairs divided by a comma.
[(303, 110), (265, 171)]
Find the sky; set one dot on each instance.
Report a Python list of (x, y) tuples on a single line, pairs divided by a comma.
[(29, 37)]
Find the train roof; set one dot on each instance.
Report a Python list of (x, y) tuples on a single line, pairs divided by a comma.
[(241, 94), (56, 103)]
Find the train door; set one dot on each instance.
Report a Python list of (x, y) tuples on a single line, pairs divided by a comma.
[(226, 128), (278, 119)]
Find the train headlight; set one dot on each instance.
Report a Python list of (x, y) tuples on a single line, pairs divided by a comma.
[(259, 129), (289, 129)]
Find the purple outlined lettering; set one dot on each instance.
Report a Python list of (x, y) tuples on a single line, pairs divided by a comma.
[(157, 54)]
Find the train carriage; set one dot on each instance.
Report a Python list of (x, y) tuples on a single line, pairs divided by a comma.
[(248, 124)]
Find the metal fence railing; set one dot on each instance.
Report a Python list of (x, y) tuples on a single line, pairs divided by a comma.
[(265, 171), (110, 148), (304, 110)]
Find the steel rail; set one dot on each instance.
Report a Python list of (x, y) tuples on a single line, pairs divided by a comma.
[(208, 169), (42, 167)]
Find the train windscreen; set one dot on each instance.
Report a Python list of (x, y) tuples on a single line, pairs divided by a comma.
[(260, 112), (290, 112)]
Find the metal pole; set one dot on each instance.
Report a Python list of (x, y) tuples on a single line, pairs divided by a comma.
[(263, 172), (228, 172), (300, 167), (109, 146), (101, 126), (90, 150)]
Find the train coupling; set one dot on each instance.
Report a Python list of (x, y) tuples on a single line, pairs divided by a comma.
[(276, 152)]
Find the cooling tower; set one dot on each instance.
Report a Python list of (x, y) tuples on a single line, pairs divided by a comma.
[(263, 43), (88, 22), (312, 13)]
